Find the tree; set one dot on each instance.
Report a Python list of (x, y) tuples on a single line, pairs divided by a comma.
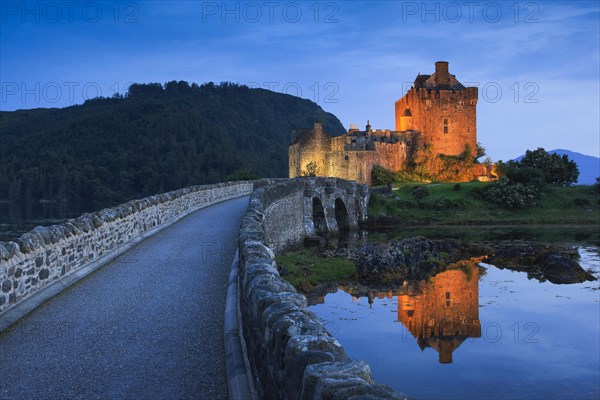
[(312, 169), (424, 162), (557, 170), (481, 151), (527, 176), (242, 175)]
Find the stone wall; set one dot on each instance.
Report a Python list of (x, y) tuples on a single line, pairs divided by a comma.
[(46, 254), (333, 159), (291, 354), (358, 165)]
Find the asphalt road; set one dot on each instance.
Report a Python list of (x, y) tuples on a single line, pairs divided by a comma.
[(148, 325)]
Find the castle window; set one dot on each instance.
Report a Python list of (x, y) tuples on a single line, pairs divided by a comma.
[(445, 125)]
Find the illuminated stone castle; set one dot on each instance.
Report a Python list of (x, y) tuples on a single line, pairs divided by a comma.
[(437, 111)]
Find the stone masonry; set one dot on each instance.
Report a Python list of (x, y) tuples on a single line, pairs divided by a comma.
[(291, 353), (46, 254)]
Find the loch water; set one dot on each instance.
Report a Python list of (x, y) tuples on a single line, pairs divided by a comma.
[(17, 218), (477, 333)]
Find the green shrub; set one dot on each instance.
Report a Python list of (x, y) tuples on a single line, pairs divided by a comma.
[(421, 192), (381, 176), (312, 169), (527, 176), (457, 186), (579, 202), (510, 195), (443, 203), (242, 175)]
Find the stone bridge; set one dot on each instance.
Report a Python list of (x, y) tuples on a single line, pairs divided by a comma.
[(148, 323)]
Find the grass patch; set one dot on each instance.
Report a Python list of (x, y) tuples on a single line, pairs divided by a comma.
[(306, 268), (588, 234), (576, 205)]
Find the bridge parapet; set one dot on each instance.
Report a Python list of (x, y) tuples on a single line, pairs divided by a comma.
[(291, 353), (49, 254)]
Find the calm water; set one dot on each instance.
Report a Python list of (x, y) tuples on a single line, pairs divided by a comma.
[(18, 218), (466, 335)]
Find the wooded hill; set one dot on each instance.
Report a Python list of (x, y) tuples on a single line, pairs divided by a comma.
[(154, 139)]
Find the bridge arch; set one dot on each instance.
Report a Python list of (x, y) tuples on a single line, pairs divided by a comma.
[(318, 215), (341, 215)]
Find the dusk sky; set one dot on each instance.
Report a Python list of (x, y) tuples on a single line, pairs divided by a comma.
[(536, 63)]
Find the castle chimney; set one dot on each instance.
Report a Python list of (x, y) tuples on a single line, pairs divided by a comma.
[(442, 77)]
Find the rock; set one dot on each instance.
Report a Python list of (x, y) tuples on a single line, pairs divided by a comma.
[(6, 286), (558, 268), (8, 250), (411, 258), (551, 262), (28, 242)]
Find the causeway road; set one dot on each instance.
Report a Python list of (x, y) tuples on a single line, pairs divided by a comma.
[(147, 325)]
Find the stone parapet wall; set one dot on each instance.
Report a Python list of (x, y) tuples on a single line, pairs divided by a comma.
[(47, 254), (291, 353)]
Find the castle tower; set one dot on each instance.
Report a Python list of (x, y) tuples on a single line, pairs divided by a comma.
[(442, 110), (308, 146)]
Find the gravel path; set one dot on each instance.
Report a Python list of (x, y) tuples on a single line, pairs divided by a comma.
[(148, 325)]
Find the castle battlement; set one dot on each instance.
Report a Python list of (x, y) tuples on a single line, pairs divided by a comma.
[(470, 93)]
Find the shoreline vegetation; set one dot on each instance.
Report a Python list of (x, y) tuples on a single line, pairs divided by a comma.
[(392, 262), (459, 204)]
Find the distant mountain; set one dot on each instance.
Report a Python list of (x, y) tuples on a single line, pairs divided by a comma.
[(154, 139), (589, 166)]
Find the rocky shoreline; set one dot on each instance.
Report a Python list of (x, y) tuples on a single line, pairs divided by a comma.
[(418, 258)]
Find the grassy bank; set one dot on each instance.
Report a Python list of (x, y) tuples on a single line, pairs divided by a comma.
[(449, 204), (306, 268)]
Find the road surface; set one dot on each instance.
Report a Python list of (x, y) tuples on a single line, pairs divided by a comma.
[(148, 325)]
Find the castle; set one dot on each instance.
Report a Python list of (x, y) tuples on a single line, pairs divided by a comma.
[(437, 111)]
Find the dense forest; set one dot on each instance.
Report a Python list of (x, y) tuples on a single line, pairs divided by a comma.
[(153, 139)]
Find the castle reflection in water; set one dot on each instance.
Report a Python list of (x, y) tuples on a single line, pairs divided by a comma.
[(440, 313)]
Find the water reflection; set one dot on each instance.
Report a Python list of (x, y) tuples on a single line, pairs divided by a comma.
[(440, 313), (344, 239), (444, 312), (535, 339)]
